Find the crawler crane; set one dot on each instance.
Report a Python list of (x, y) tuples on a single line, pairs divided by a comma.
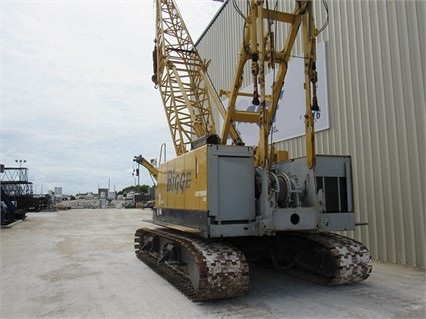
[(220, 204)]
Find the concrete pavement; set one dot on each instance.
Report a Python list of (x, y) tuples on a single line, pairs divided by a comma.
[(81, 264)]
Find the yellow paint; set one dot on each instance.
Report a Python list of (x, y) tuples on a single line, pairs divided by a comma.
[(279, 156), (182, 182)]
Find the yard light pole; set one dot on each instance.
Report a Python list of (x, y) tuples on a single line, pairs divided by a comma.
[(20, 167)]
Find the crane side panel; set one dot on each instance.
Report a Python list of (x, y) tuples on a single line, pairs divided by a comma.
[(182, 182)]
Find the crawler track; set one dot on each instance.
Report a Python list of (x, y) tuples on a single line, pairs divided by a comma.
[(327, 258), (203, 270)]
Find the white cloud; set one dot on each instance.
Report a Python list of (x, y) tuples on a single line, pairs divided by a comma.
[(77, 98)]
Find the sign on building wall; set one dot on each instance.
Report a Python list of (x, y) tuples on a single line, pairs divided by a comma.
[(289, 120)]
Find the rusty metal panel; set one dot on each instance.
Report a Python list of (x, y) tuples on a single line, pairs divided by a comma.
[(376, 95)]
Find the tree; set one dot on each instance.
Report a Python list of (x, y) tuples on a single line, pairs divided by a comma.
[(138, 189)]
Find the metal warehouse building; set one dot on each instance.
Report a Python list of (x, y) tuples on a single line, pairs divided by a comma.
[(374, 53)]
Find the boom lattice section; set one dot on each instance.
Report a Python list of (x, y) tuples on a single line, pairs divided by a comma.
[(181, 78)]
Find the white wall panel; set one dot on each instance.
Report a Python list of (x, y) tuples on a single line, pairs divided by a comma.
[(376, 84)]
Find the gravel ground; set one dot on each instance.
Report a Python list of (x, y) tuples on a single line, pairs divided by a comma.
[(80, 263)]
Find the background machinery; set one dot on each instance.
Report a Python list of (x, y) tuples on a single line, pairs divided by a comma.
[(221, 203), (17, 196)]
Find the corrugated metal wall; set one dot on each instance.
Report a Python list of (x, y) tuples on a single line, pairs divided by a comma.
[(377, 105)]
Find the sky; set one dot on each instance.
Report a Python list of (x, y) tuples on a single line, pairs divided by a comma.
[(77, 101)]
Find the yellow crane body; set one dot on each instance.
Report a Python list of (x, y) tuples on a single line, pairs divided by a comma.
[(200, 190), (222, 204)]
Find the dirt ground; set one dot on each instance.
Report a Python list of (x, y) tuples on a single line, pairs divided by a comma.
[(80, 263)]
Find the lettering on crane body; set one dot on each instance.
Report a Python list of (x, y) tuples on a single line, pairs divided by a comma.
[(178, 181)]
